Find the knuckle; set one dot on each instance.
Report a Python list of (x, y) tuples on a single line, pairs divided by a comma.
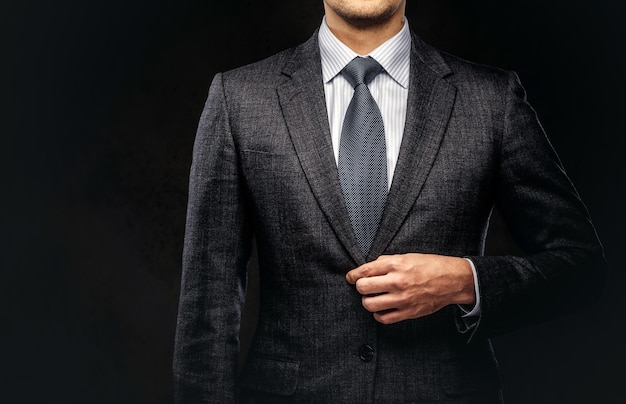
[(396, 261), (404, 297), (399, 283), (366, 270)]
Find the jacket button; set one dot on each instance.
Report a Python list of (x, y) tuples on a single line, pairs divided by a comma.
[(366, 353)]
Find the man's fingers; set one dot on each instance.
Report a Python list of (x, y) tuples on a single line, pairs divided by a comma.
[(390, 316), (371, 286), (379, 303), (374, 268)]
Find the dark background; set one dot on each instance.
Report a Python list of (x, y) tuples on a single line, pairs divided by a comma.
[(100, 104)]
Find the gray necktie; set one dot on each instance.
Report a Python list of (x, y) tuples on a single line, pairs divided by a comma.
[(362, 156)]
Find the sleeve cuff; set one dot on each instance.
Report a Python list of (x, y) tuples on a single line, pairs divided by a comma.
[(470, 312)]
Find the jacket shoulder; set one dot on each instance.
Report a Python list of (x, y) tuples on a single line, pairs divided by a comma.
[(468, 73), (460, 72), (261, 70)]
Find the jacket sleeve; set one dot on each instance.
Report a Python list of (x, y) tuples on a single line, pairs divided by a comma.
[(215, 256), (563, 268)]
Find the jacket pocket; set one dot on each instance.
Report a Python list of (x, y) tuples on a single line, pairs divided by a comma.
[(257, 160), (268, 375)]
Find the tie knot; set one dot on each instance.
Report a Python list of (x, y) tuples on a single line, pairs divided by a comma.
[(361, 70)]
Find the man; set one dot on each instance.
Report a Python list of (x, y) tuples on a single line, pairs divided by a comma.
[(373, 286)]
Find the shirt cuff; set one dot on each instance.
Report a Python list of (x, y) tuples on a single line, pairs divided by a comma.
[(469, 311)]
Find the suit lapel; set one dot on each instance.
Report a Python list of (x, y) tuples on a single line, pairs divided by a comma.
[(304, 110), (429, 105)]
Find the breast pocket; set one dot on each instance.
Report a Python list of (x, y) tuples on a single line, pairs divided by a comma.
[(283, 162)]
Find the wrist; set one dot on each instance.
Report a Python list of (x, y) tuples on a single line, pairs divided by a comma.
[(465, 289)]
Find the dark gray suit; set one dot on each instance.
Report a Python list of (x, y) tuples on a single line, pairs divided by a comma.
[(263, 166)]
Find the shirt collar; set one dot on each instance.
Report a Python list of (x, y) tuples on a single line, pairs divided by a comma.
[(393, 55)]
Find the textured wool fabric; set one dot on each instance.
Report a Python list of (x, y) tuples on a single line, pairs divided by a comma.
[(362, 154), (264, 167)]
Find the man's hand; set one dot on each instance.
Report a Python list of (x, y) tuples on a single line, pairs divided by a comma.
[(402, 287)]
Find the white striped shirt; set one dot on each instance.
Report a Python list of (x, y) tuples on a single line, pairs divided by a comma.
[(390, 88)]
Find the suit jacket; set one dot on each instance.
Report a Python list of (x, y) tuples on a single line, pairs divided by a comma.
[(263, 167)]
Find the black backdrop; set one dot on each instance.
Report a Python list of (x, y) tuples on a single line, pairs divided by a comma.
[(100, 103)]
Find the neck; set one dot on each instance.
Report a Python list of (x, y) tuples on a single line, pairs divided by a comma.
[(364, 39)]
